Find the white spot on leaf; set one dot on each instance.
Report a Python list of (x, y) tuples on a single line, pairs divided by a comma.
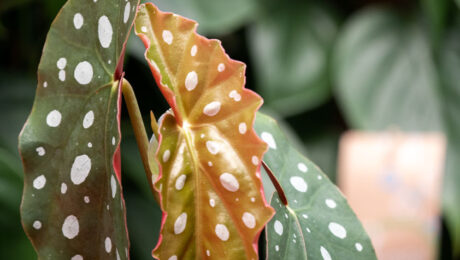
[(62, 75), (61, 63), (325, 254), (126, 13), (242, 128), (37, 224), (166, 155), (104, 31), (80, 169), (77, 257), (180, 182), (88, 119), (268, 138), (108, 244), (278, 227), (330, 203), (234, 95), (249, 220), (298, 183), (229, 182), (191, 80), (39, 182), (221, 67), (181, 222), (40, 151), (113, 185), (212, 108), (359, 247), (213, 146), (302, 167), (337, 230), (174, 257), (144, 29), (193, 50), (167, 37), (255, 160), (70, 227), (222, 232), (63, 188), (53, 119), (78, 21), (83, 73)]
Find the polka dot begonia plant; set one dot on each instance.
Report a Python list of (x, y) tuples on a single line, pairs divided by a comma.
[(203, 163)]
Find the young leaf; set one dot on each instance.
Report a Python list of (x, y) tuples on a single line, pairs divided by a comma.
[(210, 186), (72, 202), (318, 222)]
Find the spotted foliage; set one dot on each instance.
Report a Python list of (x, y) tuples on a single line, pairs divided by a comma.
[(211, 193), (72, 202), (318, 222)]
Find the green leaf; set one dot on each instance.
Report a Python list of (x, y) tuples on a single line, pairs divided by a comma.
[(437, 11), (318, 223), (209, 155), (290, 47), (385, 73), (450, 66), (213, 16), (72, 203)]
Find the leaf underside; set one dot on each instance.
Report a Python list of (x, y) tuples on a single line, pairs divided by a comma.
[(72, 204), (318, 222), (209, 155)]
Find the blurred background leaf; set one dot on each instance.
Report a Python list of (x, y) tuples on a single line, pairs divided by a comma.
[(290, 46), (449, 72), (385, 74)]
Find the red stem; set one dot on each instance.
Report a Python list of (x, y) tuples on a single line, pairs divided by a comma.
[(275, 183)]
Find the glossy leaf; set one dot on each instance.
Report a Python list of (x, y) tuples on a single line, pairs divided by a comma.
[(450, 65), (209, 155), (318, 223), (72, 203), (290, 46), (385, 73)]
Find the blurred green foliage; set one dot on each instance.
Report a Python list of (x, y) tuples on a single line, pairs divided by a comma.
[(323, 67)]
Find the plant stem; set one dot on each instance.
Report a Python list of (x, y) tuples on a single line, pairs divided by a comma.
[(276, 184), (154, 125), (138, 127)]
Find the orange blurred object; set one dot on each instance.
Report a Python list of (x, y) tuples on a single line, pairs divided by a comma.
[(393, 182)]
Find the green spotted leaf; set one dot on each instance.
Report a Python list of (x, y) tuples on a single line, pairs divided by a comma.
[(72, 204), (209, 155), (318, 223)]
